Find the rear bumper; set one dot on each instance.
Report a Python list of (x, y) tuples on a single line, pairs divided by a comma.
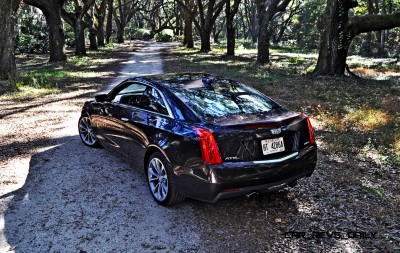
[(230, 179)]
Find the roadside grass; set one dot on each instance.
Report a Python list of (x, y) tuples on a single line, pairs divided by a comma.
[(45, 78), (358, 119)]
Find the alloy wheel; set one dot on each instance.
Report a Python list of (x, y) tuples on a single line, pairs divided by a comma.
[(158, 179), (86, 131)]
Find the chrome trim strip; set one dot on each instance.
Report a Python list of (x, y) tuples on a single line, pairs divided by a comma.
[(277, 160)]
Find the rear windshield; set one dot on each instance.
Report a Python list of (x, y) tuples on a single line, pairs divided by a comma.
[(223, 98)]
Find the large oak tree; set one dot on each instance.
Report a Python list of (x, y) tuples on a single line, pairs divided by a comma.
[(338, 30), (230, 12), (189, 11), (204, 15), (8, 70), (52, 11), (266, 10), (73, 15)]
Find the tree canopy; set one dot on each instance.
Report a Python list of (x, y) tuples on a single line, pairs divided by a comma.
[(336, 28)]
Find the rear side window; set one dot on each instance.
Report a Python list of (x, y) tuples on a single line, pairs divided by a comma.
[(131, 89), (141, 96), (223, 99)]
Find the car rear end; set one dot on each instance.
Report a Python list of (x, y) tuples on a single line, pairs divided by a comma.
[(259, 157), (246, 141)]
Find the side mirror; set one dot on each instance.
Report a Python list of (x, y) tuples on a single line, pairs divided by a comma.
[(101, 98)]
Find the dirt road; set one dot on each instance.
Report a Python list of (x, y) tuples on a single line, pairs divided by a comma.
[(57, 195), (62, 196)]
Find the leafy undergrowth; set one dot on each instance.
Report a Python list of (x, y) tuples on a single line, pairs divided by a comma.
[(357, 125)]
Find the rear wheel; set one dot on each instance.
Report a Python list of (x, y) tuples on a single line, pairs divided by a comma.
[(86, 132), (161, 181)]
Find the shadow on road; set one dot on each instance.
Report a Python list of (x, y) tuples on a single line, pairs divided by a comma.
[(80, 199), (76, 198)]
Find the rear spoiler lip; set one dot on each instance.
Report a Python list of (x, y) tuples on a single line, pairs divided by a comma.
[(276, 122)]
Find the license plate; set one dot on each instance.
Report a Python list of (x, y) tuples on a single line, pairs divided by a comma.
[(271, 146)]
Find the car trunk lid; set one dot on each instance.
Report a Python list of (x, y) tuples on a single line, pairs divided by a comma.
[(254, 140)]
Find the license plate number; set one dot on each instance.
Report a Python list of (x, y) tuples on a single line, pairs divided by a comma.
[(271, 146)]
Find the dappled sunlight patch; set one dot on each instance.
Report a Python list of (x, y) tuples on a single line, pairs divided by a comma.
[(369, 151), (367, 119), (90, 74), (371, 188), (27, 92), (79, 61), (349, 246), (330, 122), (397, 144), (101, 61)]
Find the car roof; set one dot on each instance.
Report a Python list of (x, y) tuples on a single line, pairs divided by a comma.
[(179, 80)]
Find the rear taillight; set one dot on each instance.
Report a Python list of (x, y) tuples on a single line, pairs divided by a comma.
[(310, 129), (208, 145)]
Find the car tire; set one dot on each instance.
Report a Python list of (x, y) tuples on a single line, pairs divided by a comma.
[(86, 132), (161, 180)]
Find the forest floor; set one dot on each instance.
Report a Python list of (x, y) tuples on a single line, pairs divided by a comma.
[(356, 184), (58, 195)]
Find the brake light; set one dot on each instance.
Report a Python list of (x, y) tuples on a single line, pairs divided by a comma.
[(208, 145), (310, 129)]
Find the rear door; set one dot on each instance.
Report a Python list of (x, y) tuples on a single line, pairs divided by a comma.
[(118, 112), (134, 116)]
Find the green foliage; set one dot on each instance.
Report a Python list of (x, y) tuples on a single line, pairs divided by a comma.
[(79, 61), (138, 33), (42, 78), (31, 30), (69, 35), (304, 30), (295, 61), (248, 45), (379, 193), (164, 36)]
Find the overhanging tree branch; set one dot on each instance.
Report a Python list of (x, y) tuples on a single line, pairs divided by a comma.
[(369, 23)]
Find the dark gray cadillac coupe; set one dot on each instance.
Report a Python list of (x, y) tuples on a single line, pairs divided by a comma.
[(201, 136)]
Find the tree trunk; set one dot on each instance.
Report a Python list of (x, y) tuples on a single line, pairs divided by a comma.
[(52, 12), (100, 15), (110, 11), (335, 38), (93, 39), (263, 47), (266, 11), (263, 38), (56, 32), (188, 25), (100, 36), (8, 70), (79, 30), (205, 41), (188, 32), (120, 34), (230, 29), (215, 35), (338, 30), (230, 37)]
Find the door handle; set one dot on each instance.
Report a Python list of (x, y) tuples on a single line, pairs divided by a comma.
[(125, 119)]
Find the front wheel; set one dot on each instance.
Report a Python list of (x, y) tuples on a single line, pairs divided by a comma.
[(86, 132), (161, 181)]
